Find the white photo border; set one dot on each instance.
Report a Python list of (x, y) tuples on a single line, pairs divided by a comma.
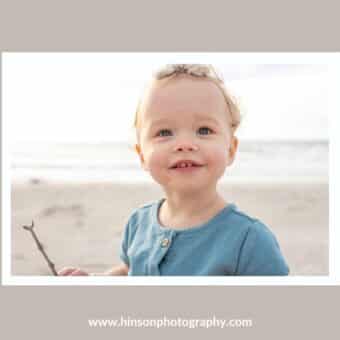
[(331, 59)]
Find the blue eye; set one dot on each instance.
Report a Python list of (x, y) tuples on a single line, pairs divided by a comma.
[(164, 133), (204, 130)]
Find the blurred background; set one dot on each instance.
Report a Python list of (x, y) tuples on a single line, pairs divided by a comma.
[(69, 119)]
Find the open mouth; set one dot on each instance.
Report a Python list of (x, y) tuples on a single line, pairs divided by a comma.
[(186, 165)]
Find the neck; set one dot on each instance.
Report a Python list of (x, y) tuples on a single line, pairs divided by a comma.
[(189, 209)]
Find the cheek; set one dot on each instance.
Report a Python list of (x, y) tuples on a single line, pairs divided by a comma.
[(157, 163), (217, 158), (156, 159)]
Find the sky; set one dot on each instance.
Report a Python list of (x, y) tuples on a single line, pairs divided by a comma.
[(92, 97)]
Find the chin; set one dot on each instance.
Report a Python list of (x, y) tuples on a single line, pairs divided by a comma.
[(186, 188)]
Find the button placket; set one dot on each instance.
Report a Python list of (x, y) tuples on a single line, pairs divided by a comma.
[(165, 242)]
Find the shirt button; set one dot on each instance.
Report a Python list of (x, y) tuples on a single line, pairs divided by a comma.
[(165, 242)]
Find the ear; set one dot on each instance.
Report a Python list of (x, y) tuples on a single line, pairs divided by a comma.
[(232, 149), (141, 157)]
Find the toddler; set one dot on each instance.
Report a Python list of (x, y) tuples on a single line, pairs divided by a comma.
[(185, 127)]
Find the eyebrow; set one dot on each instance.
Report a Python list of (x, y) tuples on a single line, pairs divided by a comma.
[(160, 121), (166, 120), (211, 119)]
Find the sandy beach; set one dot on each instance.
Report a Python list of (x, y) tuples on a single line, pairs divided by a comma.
[(81, 224)]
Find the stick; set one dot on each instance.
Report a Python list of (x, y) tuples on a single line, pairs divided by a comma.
[(41, 248)]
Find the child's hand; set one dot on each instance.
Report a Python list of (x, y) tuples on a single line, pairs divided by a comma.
[(69, 271)]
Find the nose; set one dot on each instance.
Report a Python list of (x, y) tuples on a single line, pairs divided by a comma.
[(185, 146)]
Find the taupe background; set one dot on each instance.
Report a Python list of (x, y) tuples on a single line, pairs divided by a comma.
[(176, 26)]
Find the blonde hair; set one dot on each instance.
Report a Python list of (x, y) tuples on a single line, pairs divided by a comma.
[(204, 71)]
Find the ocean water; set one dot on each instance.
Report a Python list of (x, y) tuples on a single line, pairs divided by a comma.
[(118, 162)]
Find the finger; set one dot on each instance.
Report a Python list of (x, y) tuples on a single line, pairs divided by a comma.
[(66, 271), (79, 272)]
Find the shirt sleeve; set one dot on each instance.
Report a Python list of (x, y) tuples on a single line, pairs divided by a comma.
[(260, 253), (126, 241), (124, 246)]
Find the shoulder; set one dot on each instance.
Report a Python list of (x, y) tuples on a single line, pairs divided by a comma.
[(142, 214), (143, 211), (256, 232), (261, 236), (260, 253), (241, 216), (250, 224), (240, 221)]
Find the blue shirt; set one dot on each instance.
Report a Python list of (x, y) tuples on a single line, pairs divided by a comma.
[(230, 243)]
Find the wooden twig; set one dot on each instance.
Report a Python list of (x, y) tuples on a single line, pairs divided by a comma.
[(41, 248)]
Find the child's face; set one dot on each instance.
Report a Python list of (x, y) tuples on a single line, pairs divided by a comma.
[(185, 119)]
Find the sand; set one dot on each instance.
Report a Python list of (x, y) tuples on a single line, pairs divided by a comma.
[(81, 224)]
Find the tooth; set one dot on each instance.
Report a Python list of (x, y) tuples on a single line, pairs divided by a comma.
[(185, 165)]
